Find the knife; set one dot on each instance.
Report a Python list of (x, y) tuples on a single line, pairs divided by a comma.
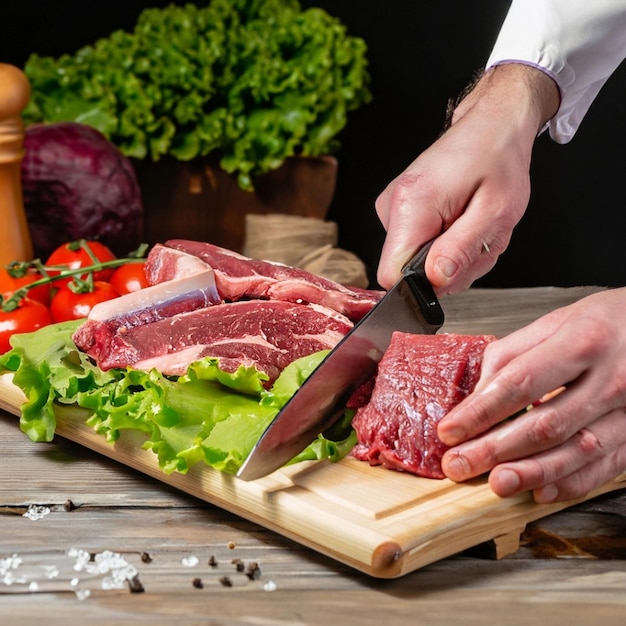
[(409, 306)]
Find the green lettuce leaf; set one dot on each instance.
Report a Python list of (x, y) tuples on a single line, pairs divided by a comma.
[(208, 415), (250, 83)]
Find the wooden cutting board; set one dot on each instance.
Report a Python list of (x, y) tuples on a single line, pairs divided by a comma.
[(383, 523)]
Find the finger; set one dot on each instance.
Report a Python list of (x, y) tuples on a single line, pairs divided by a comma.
[(584, 448), (588, 478), (541, 429), (501, 352), (470, 247), (514, 386), (410, 224)]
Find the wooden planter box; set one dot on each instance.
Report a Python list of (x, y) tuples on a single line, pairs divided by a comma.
[(197, 200)]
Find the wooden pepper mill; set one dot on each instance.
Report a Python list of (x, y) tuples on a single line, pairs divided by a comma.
[(15, 240)]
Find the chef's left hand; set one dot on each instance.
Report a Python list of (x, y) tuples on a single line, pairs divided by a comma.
[(572, 443)]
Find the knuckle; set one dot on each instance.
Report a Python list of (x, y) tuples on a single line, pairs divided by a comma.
[(493, 355), (547, 428), (489, 455), (499, 238), (479, 416), (588, 444), (406, 187), (598, 337), (516, 383)]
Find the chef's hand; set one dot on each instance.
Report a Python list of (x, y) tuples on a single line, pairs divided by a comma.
[(471, 186), (568, 445)]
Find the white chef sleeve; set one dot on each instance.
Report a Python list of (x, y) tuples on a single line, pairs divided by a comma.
[(579, 43)]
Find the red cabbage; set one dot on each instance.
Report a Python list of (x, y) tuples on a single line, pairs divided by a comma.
[(77, 184)]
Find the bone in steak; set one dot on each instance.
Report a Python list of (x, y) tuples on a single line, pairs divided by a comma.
[(239, 277), (264, 333), (420, 378), (144, 307)]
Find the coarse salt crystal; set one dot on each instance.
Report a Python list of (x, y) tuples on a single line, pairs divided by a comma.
[(190, 561), (81, 557), (11, 562), (83, 594), (35, 512), (7, 568), (50, 571)]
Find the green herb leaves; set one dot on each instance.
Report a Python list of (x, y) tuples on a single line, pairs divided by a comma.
[(248, 82)]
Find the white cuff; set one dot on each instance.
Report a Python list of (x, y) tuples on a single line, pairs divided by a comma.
[(578, 43)]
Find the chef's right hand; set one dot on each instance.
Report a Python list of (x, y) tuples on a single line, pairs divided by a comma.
[(471, 187)]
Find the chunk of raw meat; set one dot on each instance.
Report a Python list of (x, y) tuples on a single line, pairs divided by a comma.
[(420, 379), (164, 263), (239, 277), (264, 333), (144, 307)]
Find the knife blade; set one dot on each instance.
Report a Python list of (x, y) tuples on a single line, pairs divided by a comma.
[(409, 306)]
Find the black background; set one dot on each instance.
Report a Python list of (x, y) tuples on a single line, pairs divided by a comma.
[(421, 53)]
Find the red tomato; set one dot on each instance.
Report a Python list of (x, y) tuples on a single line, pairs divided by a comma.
[(73, 259), (128, 278), (67, 305), (27, 317), (9, 284)]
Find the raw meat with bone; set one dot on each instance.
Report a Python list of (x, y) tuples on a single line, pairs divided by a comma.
[(420, 378), (268, 334), (144, 307), (239, 277), (272, 314)]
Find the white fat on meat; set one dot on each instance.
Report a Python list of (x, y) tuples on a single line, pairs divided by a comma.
[(201, 283), (144, 307), (238, 277), (267, 334)]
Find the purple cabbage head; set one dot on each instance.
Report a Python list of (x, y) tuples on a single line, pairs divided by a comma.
[(77, 184)]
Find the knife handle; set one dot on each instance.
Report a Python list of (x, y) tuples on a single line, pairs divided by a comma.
[(414, 274)]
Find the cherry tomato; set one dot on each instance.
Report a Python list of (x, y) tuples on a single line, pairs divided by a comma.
[(9, 284), (128, 278), (27, 317), (73, 259), (67, 305)]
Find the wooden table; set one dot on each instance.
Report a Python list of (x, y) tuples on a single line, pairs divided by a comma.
[(192, 563)]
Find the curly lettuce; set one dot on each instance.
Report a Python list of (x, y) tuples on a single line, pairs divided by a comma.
[(208, 415), (251, 82)]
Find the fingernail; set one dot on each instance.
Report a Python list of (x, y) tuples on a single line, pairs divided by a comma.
[(508, 482), (446, 267), (546, 494), (451, 435), (457, 467)]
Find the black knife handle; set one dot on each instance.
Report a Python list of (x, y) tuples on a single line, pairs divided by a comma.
[(414, 274)]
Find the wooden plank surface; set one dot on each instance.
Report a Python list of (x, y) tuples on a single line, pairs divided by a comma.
[(119, 509), (402, 522), (571, 567)]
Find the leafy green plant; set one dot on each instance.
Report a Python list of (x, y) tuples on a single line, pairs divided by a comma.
[(250, 82), (207, 415)]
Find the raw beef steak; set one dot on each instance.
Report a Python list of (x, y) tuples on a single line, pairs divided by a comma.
[(144, 307), (238, 277), (420, 378), (267, 334)]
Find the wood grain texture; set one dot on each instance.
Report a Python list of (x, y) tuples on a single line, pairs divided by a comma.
[(570, 567), (380, 522)]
